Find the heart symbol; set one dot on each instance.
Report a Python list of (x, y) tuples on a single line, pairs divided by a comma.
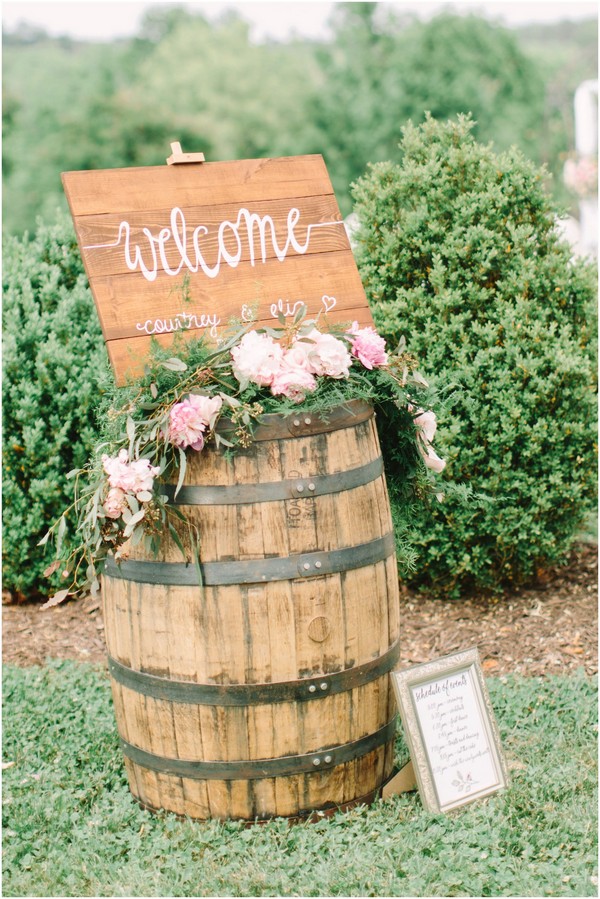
[(328, 302)]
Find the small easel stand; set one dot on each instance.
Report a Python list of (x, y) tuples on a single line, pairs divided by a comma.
[(402, 782)]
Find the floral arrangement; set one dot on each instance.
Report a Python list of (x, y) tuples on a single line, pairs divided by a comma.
[(218, 395), (580, 175)]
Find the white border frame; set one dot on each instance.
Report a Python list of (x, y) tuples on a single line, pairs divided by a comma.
[(430, 672)]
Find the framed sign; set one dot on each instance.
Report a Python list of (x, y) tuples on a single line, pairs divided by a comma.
[(450, 731), (189, 248)]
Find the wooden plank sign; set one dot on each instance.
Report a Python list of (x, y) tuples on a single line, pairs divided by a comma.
[(450, 730), (187, 248)]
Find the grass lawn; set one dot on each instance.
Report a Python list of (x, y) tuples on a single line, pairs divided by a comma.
[(71, 827)]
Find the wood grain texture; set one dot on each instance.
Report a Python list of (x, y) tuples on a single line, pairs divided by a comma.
[(184, 249), (117, 191), (264, 633)]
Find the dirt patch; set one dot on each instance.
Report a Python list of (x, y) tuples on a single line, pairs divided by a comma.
[(551, 628)]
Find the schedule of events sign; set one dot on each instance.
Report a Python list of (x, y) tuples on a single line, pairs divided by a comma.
[(450, 727), (187, 248)]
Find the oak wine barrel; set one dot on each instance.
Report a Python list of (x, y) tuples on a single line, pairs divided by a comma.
[(265, 691)]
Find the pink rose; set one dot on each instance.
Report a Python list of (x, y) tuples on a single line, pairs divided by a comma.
[(115, 503), (293, 382), (328, 356), (368, 346), (427, 424), (131, 477), (256, 359), (189, 419)]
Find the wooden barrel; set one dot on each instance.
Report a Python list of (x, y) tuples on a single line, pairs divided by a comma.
[(264, 692)]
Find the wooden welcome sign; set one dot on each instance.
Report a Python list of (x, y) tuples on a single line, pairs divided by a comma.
[(186, 248)]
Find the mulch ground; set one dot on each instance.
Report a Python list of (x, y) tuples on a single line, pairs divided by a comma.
[(551, 628)]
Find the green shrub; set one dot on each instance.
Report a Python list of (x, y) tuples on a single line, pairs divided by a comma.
[(53, 355), (458, 252)]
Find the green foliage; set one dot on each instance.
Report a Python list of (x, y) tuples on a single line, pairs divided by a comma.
[(53, 355), (76, 105), (71, 828), (93, 106), (246, 100), (458, 251), (565, 54), (382, 72), (136, 425)]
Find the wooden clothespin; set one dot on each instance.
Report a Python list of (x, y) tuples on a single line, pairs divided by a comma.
[(177, 157)]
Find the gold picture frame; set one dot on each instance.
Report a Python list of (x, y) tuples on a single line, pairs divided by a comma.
[(450, 730)]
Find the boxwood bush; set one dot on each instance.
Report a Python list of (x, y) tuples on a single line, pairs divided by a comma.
[(459, 252), (53, 360)]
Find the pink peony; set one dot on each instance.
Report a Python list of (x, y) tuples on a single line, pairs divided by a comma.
[(189, 419), (293, 382), (298, 356), (328, 355), (256, 359), (131, 477), (115, 503), (368, 346), (427, 424)]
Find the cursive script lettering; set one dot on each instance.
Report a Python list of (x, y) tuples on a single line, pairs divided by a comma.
[(182, 321), (255, 232), (285, 308), (455, 736)]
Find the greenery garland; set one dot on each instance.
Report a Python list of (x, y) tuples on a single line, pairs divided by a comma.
[(194, 394)]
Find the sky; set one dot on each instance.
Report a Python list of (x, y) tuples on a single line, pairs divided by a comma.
[(280, 20)]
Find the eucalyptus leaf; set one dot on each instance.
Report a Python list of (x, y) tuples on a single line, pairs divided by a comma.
[(195, 543), (303, 309), (177, 540), (130, 429), (416, 378), (45, 538), (132, 503), (182, 468), (137, 535), (56, 599), (54, 566), (219, 439), (230, 400), (133, 521), (174, 364), (62, 529)]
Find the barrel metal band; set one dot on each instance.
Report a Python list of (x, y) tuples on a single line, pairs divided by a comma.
[(254, 694), (275, 426), (293, 488), (254, 571), (254, 769)]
